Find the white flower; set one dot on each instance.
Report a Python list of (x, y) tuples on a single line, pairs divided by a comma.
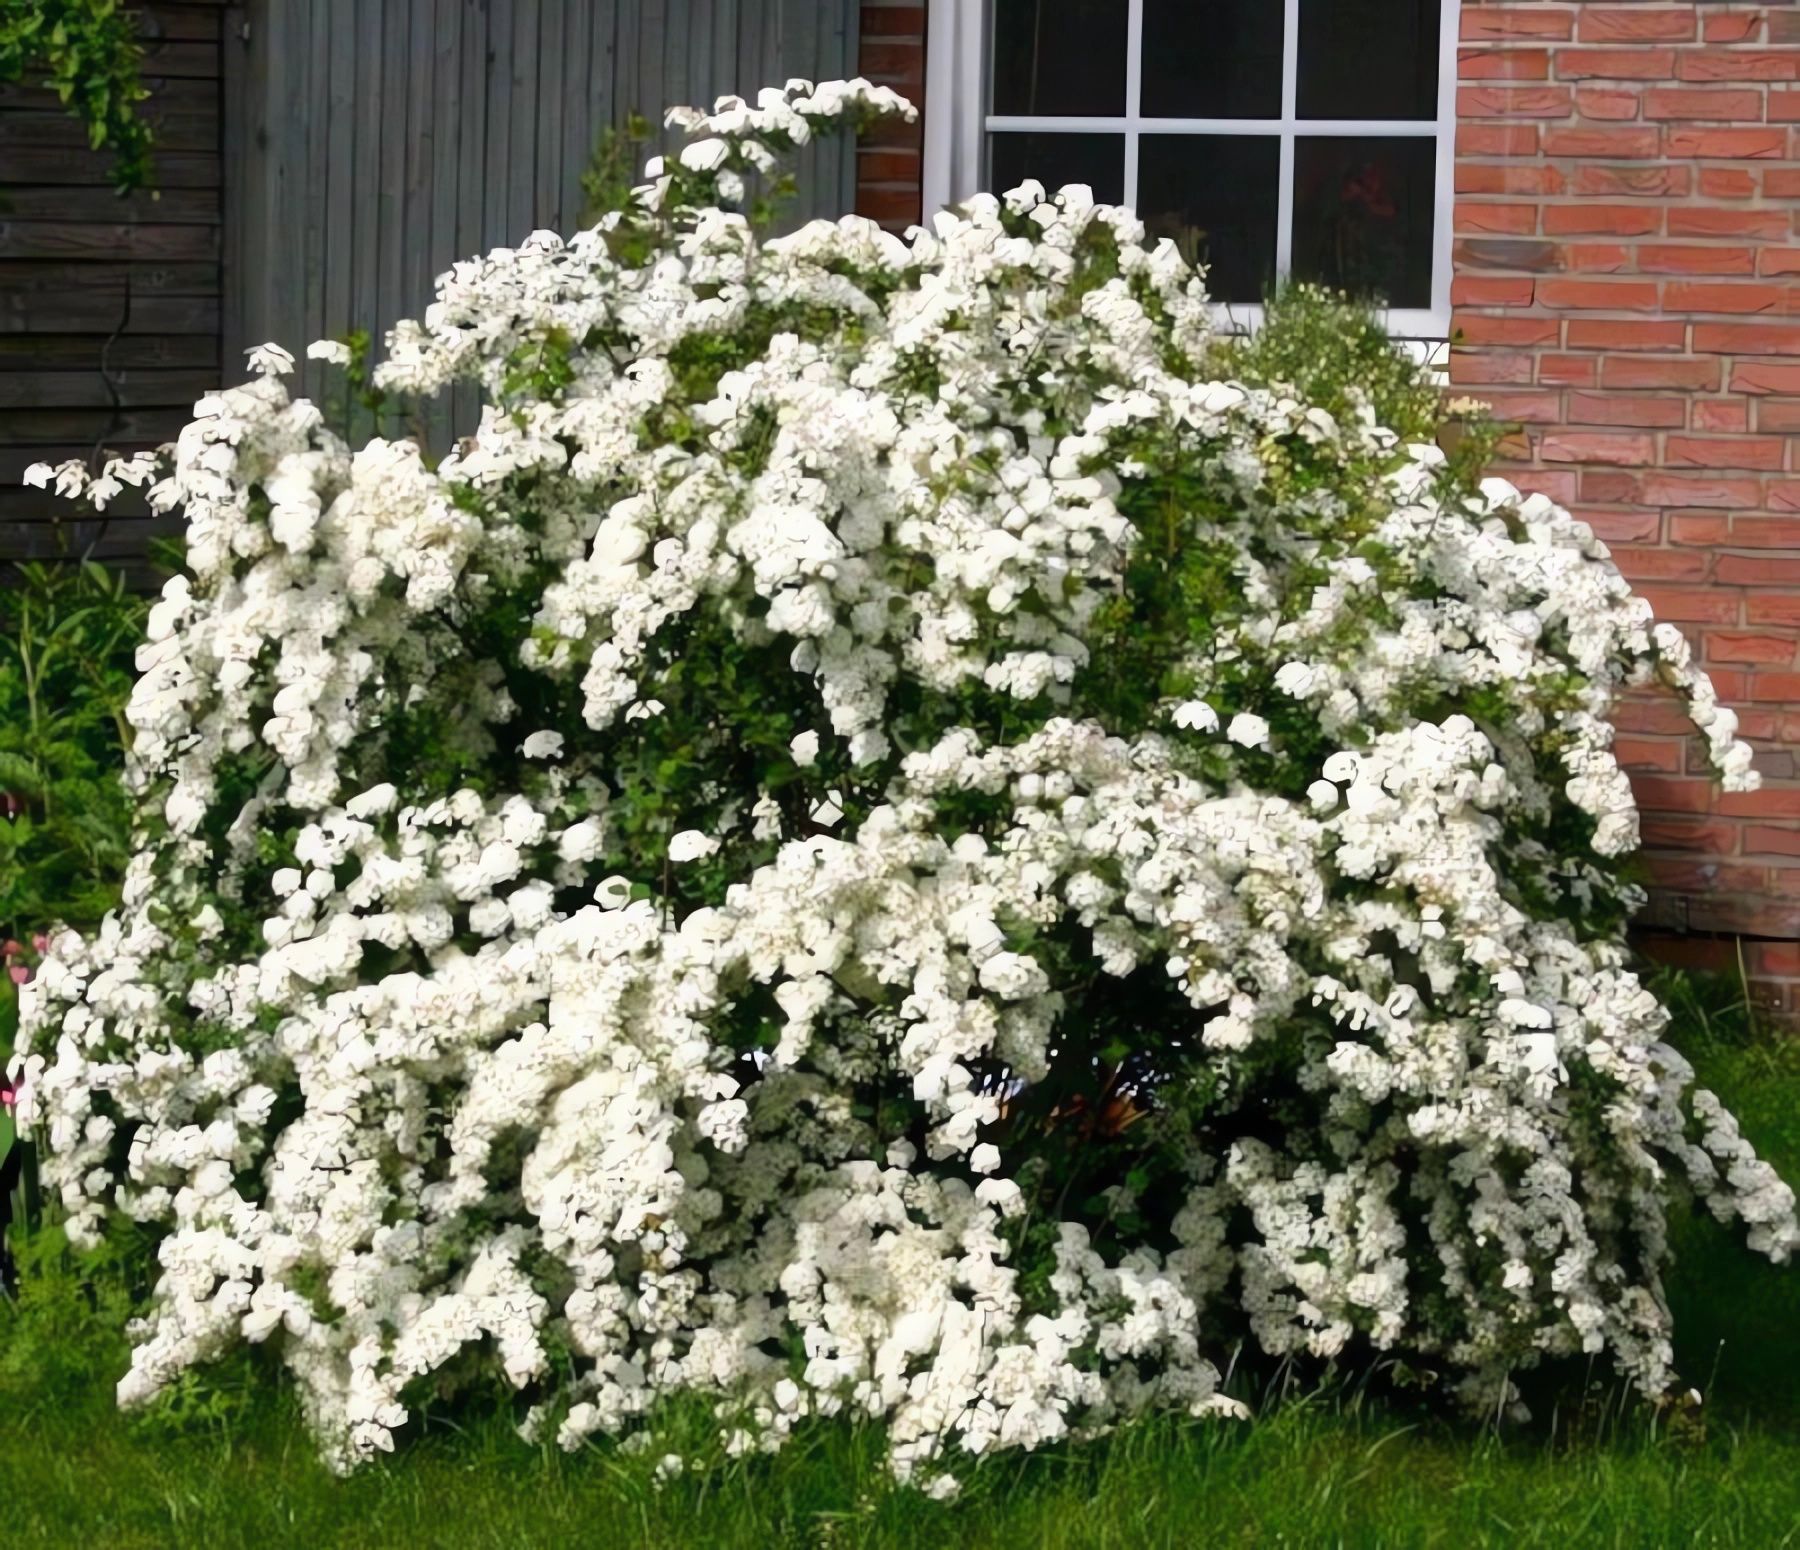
[(1249, 730), (805, 748), (542, 745), (691, 845)]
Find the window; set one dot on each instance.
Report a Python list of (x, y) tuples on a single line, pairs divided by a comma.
[(1268, 138)]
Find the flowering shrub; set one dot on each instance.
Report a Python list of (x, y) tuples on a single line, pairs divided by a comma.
[(871, 842)]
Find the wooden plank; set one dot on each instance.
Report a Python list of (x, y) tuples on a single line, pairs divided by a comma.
[(365, 228), (315, 168), (69, 240), (496, 224), (577, 130), (41, 279), (176, 315), (390, 212), (546, 195), (474, 68), (339, 136), (179, 23), (66, 168), (174, 206), (45, 352), (60, 131), (30, 427), (628, 79), (89, 389), (521, 172), (415, 187), (605, 105), (168, 58)]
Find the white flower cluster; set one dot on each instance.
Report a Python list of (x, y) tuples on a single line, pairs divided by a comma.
[(693, 891)]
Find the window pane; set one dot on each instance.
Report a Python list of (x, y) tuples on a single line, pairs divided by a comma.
[(1212, 61), (1368, 58), (1055, 159), (1363, 214), (1216, 196), (1059, 56)]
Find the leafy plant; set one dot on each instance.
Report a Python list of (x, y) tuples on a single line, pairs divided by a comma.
[(87, 52)]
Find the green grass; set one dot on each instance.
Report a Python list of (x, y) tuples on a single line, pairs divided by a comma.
[(1338, 1467)]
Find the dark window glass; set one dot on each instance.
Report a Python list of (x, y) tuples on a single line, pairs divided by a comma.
[(1216, 196), (1059, 56), (1097, 160), (1363, 214), (1368, 59), (1221, 60)]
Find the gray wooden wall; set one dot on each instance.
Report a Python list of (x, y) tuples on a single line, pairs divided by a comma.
[(109, 306), (371, 143)]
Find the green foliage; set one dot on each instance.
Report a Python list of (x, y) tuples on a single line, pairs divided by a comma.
[(68, 634), (612, 171), (1333, 350), (87, 52)]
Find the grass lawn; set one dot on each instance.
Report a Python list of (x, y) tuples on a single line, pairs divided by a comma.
[(1334, 1468)]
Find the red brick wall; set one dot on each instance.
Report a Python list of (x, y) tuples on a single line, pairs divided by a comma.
[(892, 53), (1627, 286)]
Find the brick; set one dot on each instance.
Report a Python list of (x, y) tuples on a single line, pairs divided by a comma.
[(1784, 27), (1725, 105), (1771, 801), (1609, 487), (1622, 371), (1636, 24), (1685, 258), (1627, 409), (1615, 64), (1781, 182), (1597, 257), (886, 164), (1732, 27), (1480, 367), (1760, 452), (1526, 408), (1764, 377), (890, 60), (1599, 295), (1617, 220), (1469, 290), (1668, 795), (1658, 181), (1779, 415), (1691, 605), (1606, 102), (1474, 328), (1758, 570), (1518, 220), (1662, 564), (1746, 339), (1504, 253), (1773, 608), (1509, 178), (1727, 183), (1497, 22), (1721, 414), (1575, 370), (1726, 144), (1778, 261), (1689, 834), (889, 20), (1700, 490), (1643, 753), (1705, 296), (1508, 140), (1736, 64), (1784, 107), (1626, 334), (1728, 646), (1619, 449), (1630, 144), (1536, 102), (1503, 64), (1701, 221), (1623, 527)]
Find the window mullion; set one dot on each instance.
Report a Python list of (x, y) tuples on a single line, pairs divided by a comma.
[(1134, 86), (1290, 101)]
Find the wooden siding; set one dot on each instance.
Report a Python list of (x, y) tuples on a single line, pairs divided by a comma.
[(375, 142), (109, 306)]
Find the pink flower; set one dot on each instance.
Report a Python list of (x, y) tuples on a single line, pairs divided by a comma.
[(40, 943), (19, 974)]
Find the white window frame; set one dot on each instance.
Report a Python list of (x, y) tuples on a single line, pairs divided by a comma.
[(957, 124)]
